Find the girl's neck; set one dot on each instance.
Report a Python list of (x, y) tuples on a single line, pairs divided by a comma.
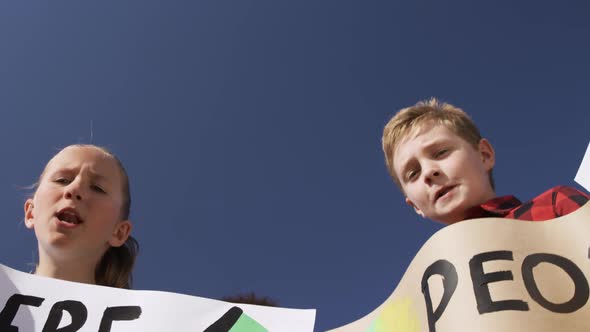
[(71, 270)]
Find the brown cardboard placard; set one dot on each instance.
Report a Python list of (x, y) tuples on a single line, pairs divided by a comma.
[(493, 274)]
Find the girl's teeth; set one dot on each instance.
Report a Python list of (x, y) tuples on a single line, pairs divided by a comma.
[(68, 218)]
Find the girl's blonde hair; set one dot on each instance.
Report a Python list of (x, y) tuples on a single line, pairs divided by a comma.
[(116, 265)]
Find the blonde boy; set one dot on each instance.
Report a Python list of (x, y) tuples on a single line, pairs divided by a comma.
[(443, 166)]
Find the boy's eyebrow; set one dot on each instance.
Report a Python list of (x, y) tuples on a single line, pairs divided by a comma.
[(427, 146), (406, 165), (435, 142)]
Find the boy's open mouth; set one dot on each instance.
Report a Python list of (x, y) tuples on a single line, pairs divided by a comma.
[(69, 215), (441, 192)]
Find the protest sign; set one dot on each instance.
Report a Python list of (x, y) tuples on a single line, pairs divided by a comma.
[(493, 274), (583, 174), (32, 303)]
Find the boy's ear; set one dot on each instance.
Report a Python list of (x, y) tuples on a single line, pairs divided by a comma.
[(120, 233), (29, 215), (416, 209), (487, 153)]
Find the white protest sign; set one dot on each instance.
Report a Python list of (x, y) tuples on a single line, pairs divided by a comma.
[(30, 303), (493, 274), (583, 175)]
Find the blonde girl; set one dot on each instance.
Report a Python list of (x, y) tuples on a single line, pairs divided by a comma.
[(80, 214)]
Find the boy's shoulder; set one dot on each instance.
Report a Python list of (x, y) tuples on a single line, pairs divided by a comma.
[(553, 203)]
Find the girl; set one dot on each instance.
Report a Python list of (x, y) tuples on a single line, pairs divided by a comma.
[(79, 212)]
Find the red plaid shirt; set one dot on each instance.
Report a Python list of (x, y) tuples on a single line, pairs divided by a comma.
[(555, 202)]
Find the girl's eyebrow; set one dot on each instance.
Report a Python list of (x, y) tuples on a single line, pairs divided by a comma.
[(93, 175), (97, 177), (61, 170)]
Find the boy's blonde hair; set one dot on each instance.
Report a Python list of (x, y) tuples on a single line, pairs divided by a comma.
[(427, 112)]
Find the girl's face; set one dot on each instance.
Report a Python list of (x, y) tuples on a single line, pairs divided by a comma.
[(76, 210)]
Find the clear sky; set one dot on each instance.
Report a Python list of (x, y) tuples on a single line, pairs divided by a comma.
[(251, 129)]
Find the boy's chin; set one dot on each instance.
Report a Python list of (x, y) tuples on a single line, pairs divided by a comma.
[(452, 212), (447, 221), (448, 218)]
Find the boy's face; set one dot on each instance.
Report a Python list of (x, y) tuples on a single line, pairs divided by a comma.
[(441, 174)]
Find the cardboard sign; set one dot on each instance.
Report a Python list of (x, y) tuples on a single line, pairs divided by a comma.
[(493, 275), (32, 303), (583, 174)]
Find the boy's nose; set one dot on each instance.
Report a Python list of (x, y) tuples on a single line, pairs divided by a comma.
[(431, 175)]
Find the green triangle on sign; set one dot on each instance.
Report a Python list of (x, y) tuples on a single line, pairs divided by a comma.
[(247, 324)]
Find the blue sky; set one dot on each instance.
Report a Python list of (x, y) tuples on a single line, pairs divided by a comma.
[(251, 129)]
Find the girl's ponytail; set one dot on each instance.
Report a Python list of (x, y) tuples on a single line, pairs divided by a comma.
[(115, 267)]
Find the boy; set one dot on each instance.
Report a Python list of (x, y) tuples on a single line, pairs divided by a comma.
[(437, 157)]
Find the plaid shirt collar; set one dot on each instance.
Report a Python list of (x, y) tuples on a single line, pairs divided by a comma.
[(553, 203), (495, 207)]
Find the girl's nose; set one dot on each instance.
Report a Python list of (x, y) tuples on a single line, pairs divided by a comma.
[(73, 191), (70, 195)]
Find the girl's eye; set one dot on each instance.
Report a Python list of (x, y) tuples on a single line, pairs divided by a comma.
[(62, 181), (98, 189)]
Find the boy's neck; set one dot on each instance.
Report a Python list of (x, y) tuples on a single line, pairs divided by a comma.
[(476, 210)]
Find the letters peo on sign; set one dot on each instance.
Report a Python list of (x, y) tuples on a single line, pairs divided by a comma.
[(493, 275), (32, 303)]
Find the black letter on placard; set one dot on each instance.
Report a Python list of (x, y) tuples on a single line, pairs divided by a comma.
[(11, 307), (118, 313), (226, 321), (450, 280), (481, 280), (581, 291), (76, 309)]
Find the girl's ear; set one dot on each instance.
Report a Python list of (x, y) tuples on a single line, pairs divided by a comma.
[(29, 214), (120, 233)]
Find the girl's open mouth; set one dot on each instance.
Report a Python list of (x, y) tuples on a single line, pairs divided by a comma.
[(69, 216)]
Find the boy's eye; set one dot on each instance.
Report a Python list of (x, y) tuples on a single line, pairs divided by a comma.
[(441, 153), (412, 174)]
